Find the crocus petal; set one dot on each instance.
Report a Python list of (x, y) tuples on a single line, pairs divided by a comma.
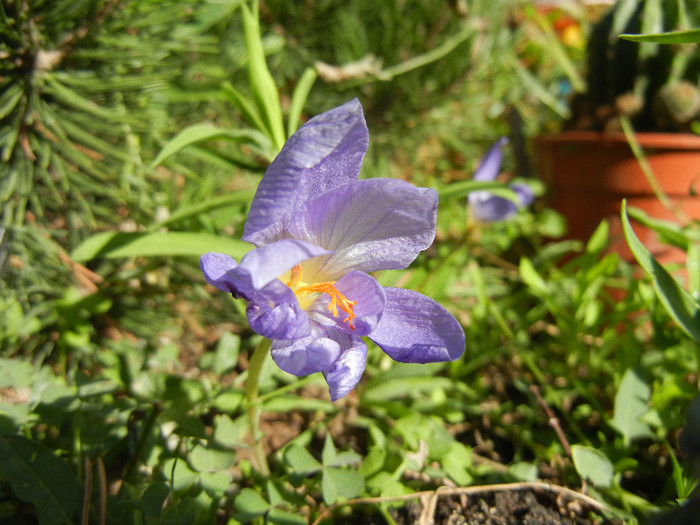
[(490, 164), (370, 300), (324, 153), (219, 271), (416, 329), (265, 264), (307, 355), (347, 371), (373, 224), (487, 207), (492, 208), (274, 312), (524, 192)]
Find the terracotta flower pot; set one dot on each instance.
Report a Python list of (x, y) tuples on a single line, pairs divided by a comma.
[(588, 174)]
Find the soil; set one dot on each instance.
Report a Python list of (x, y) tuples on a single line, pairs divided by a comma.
[(516, 507)]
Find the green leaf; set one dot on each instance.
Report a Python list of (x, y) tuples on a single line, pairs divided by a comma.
[(691, 36), (201, 132), (228, 400), (281, 517), (249, 504), (395, 489), (593, 465), (113, 245), (210, 459), (624, 10), (523, 471), (385, 390), (348, 483), (226, 430), (329, 454), (669, 232), (533, 279), (300, 460), (250, 113), (458, 190), (194, 210), (261, 81), (225, 357), (329, 489), (301, 93), (599, 239), (215, 483), (40, 478), (534, 86), (97, 388), (179, 474), (154, 497), (631, 401), (15, 373), (457, 463), (679, 304), (373, 461), (343, 459), (288, 402)]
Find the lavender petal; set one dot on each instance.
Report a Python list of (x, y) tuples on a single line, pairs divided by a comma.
[(347, 371), (324, 153), (490, 164), (373, 224), (524, 193), (314, 353), (416, 329), (268, 262), (219, 271), (492, 208), (274, 312)]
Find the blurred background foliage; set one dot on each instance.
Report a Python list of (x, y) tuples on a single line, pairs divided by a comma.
[(117, 359), (92, 90)]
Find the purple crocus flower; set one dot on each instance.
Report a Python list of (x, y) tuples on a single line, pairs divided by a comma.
[(488, 207), (318, 230)]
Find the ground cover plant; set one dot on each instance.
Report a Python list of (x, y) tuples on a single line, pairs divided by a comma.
[(134, 136)]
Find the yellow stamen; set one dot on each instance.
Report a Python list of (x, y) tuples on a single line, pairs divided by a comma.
[(338, 300), (295, 277)]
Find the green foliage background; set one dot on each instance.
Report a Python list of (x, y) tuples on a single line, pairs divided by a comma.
[(132, 137)]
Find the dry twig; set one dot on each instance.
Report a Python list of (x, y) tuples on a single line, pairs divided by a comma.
[(553, 420), (427, 496)]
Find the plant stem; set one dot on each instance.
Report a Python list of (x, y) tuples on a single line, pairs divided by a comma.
[(648, 171), (254, 368)]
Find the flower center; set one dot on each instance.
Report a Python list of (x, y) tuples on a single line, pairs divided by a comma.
[(338, 300)]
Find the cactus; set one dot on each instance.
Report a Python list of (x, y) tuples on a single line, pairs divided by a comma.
[(656, 86), (677, 104)]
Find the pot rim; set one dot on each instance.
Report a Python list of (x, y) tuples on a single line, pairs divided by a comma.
[(647, 139)]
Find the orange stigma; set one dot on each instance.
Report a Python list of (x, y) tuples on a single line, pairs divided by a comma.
[(338, 300)]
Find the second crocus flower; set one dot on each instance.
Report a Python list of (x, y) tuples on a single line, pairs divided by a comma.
[(484, 205)]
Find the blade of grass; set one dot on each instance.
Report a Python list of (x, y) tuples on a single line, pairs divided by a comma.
[(249, 111), (239, 197), (114, 245), (261, 81), (648, 171), (301, 92), (461, 189), (203, 132), (691, 36), (679, 304)]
